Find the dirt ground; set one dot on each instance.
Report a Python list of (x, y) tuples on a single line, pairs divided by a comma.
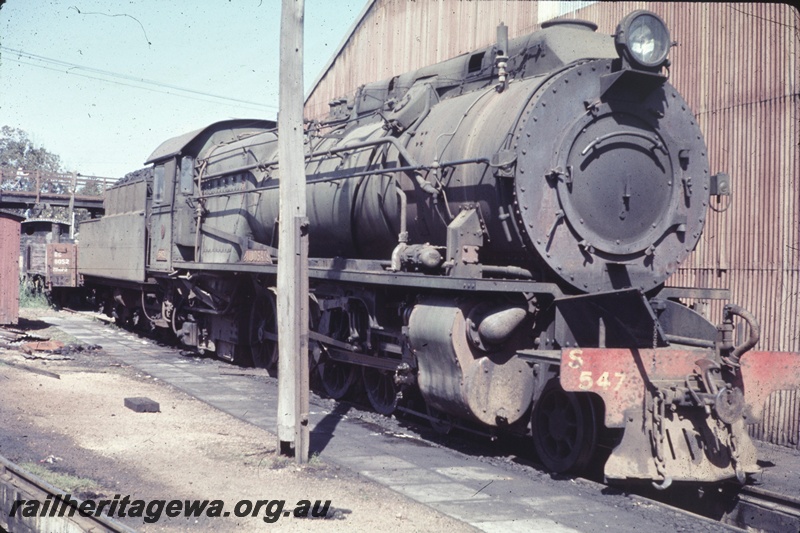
[(74, 431)]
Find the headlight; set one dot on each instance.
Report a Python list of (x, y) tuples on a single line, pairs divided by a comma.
[(643, 39)]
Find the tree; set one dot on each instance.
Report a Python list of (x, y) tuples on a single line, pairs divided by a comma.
[(18, 151), (20, 159), (91, 188)]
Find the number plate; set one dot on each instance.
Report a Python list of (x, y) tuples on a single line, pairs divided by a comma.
[(618, 375)]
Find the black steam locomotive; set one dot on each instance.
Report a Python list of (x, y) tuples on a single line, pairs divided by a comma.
[(491, 233)]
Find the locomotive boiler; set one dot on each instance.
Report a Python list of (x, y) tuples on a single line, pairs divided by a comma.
[(489, 237)]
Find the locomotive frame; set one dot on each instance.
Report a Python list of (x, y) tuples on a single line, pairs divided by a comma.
[(491, 233)]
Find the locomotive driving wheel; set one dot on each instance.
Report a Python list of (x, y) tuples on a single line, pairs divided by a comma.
[(441, 422), (381, 390), (263, 331), (336, 377), (565, 429)]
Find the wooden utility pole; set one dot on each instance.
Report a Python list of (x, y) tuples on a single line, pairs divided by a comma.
[(72, 186), (292, 242)]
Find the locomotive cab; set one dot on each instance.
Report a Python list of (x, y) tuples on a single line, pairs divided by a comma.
[(184, 193)]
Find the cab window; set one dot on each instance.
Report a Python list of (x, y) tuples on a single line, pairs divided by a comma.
[(158, 184), (187, 176)]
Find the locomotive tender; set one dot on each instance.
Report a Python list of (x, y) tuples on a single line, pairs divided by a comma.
[(491, 233)]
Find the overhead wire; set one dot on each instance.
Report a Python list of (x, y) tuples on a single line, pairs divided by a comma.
[(197, 99), (134, 81)]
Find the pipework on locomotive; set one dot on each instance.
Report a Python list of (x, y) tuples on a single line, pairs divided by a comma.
[(490, 239)]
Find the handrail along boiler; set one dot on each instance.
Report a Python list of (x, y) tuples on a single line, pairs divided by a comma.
[(490, 234)]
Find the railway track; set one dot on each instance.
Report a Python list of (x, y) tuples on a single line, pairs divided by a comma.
[(759, 509), (751, 508), (52, 506)]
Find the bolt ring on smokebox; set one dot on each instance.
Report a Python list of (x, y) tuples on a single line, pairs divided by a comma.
[(621, 191)]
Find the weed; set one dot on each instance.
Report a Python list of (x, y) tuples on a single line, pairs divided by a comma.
[(31, 296), (279, 462), (66, 482), (316, 464)]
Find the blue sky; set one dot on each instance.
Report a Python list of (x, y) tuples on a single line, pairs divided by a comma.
[(106, 125)]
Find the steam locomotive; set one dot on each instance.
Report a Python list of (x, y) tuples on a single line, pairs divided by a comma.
[(492, 234)]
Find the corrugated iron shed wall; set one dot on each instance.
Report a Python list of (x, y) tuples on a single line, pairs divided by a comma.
[(737, 66), (9, 268)]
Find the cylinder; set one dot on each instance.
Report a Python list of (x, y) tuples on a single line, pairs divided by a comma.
[(492, 388)]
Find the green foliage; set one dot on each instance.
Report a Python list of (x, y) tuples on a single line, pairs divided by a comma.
[(91, 188), (279, 462), (18, 151), (32, 295), (65, 482)]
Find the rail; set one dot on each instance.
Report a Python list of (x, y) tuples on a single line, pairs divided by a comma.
[(17, 484), (759, 509), (725, 506)]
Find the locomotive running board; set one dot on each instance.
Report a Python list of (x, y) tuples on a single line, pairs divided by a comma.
[(372, 273)]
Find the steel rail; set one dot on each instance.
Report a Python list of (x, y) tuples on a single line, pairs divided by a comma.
[(760, 509), (750, 507), (18, 484)]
